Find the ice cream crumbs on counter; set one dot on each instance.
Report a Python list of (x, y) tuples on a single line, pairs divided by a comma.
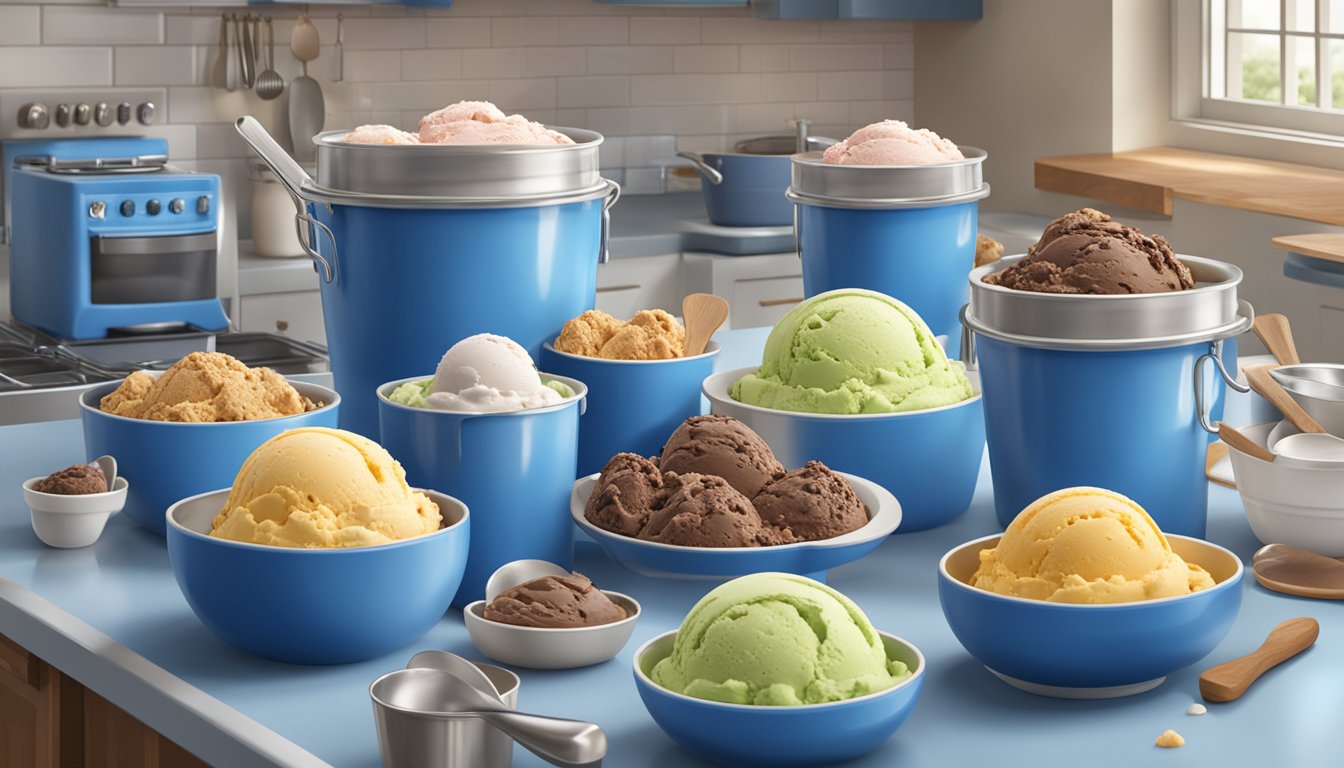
[(1196, 709), (892, 142), (1170, 740), (380, 134)]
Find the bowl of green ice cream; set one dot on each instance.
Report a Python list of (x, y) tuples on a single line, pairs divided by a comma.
[(857, 380), (777, 669)]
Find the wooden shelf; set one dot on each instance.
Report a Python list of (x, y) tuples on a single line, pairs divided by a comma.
[(1149, 179), (1329, 246)]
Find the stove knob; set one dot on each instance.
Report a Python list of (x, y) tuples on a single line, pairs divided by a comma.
[(103, 114), (123, 113), (128, 208), (145, 114), (82, 114), (62, 115), (203, 204), (153, 207), (97, 211), (178, 205), (34, 116)]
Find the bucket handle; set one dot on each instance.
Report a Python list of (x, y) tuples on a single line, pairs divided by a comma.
[(967, 354), (603, 251), (1203, 410), (711, 174)]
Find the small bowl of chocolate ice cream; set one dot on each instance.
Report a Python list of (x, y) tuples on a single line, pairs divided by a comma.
[(555, 620), (71, 506)]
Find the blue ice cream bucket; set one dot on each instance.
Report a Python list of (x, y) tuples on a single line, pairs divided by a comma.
[(633, 405), (514, 470), (906, 231), (418, 247), (1109, 391)]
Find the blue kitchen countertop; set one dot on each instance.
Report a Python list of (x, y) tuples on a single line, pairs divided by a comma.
[(112, 617), (641, 225)]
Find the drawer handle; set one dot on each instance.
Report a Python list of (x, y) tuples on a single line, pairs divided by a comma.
[(617, 288), (778, 302)]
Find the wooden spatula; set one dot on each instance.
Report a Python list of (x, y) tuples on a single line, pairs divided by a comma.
[(1237, 439), (703, 313), (1265, 386), (1297, 571), (1228, 681), (1277, 336)]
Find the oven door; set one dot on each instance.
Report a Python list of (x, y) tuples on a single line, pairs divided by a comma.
[(151, 270)]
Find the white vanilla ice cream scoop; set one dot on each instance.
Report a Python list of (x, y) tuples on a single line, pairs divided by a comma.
[(486, 372)]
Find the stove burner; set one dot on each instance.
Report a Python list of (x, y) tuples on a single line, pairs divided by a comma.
[(95, 165)]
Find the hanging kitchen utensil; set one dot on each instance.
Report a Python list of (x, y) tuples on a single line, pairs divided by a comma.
[(245, 71), (269, 83), (307, 110), (340, 48), (219, 73)]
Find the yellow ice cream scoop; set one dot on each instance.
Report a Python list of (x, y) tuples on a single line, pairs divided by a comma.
[(1086, 545), (323, 488)]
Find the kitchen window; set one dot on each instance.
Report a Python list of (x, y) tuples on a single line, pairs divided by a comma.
[(1277, 64)]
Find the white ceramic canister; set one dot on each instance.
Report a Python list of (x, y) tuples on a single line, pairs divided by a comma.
[(273, 231)]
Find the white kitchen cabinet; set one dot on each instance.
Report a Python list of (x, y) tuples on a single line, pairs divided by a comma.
[(297, 314), (625, 286), (759, 289)]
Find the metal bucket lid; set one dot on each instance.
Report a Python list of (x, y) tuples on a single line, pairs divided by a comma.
[(458, 174), (1133, 321), (888, 186)]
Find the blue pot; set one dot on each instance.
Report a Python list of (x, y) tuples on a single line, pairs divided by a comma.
[(813, 734), (166, 461), (744, 190), (633, 405), (514, 470), (1090, 651), (930, 460), (336, 606)]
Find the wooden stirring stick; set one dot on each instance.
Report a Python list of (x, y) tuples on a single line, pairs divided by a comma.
[(1297, 571), (1237, 439), (1277, 337), (1265, 386), (1230, 680), (702, 313)]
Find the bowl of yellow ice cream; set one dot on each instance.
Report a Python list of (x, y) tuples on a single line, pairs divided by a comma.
[(1083, 596), (320, 552), (188, 429)]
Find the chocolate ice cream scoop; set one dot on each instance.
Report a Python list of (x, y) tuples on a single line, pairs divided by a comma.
[(723, 446), (74, 480), (554, 602), (811, 502), (705, 511), (1088, 252), (624, 495)]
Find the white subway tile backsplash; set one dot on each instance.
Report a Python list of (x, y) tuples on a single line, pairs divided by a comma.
[(898, 84), (391, 33), (664, 31), (790, 86), (849, 86), (629, 59), (492, 62), (824, 58), (764, 118), (196, 104), (458, 32), (20, 25), (608, 121), (154, 65), (523, 95), (47, 65), (733, 89), (75, 25), (865, 30), (554, 62), (898, 56), (606, 91), (666, 89), (705, 58), (197, 30), (382, 66), (511, 31), (865, 112), (758, 31), (612, 30), (764, 58)]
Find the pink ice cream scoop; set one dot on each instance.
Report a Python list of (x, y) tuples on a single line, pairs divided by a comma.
[(891, 142), (380, 134), (480, 122)]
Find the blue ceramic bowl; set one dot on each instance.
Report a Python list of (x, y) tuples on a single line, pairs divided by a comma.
[(929, 459), (513, 469), (1089, 651), (633, 405), (166, 461), (316, 606), (746, 735), (808, 558)]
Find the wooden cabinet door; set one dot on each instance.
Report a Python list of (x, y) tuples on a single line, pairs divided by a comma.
[(30, 709)]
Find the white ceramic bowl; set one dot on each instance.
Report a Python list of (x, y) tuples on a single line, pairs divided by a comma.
[(69, 521), (1301, 506), (551, 647)]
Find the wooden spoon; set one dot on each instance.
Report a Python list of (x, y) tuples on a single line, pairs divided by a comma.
[(703, 313), (1296, 571), (1277, 336), (1228, 681), (1237, 439), (1265, 386)]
